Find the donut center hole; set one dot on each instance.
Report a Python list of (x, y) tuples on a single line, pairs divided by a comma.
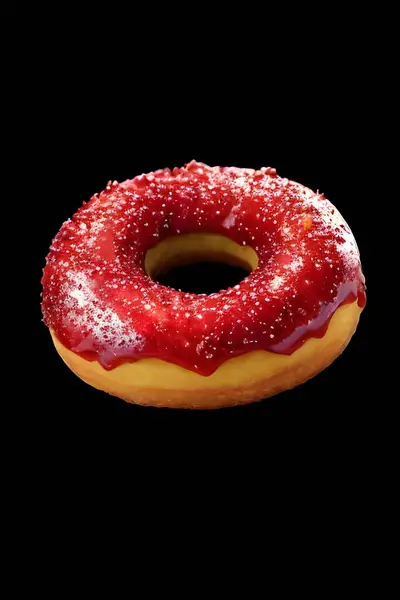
[(202, 277), (199, 263)]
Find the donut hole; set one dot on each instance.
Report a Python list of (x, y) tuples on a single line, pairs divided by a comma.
[(204, 277), (199, 263)]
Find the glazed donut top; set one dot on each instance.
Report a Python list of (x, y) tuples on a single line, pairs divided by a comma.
[(102, 305)]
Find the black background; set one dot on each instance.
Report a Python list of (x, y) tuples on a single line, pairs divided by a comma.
[(100, 122), (107, 96)]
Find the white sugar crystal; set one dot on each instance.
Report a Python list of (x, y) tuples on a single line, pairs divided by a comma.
[(102, 322)]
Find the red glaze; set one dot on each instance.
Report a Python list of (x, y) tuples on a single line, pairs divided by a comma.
[(102, 305)]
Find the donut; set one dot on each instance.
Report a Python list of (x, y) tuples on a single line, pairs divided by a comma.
[(122, 332)]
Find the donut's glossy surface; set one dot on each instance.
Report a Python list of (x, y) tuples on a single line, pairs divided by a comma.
[(101, 304)]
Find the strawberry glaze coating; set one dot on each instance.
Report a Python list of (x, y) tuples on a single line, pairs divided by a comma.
[(103, 306)]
